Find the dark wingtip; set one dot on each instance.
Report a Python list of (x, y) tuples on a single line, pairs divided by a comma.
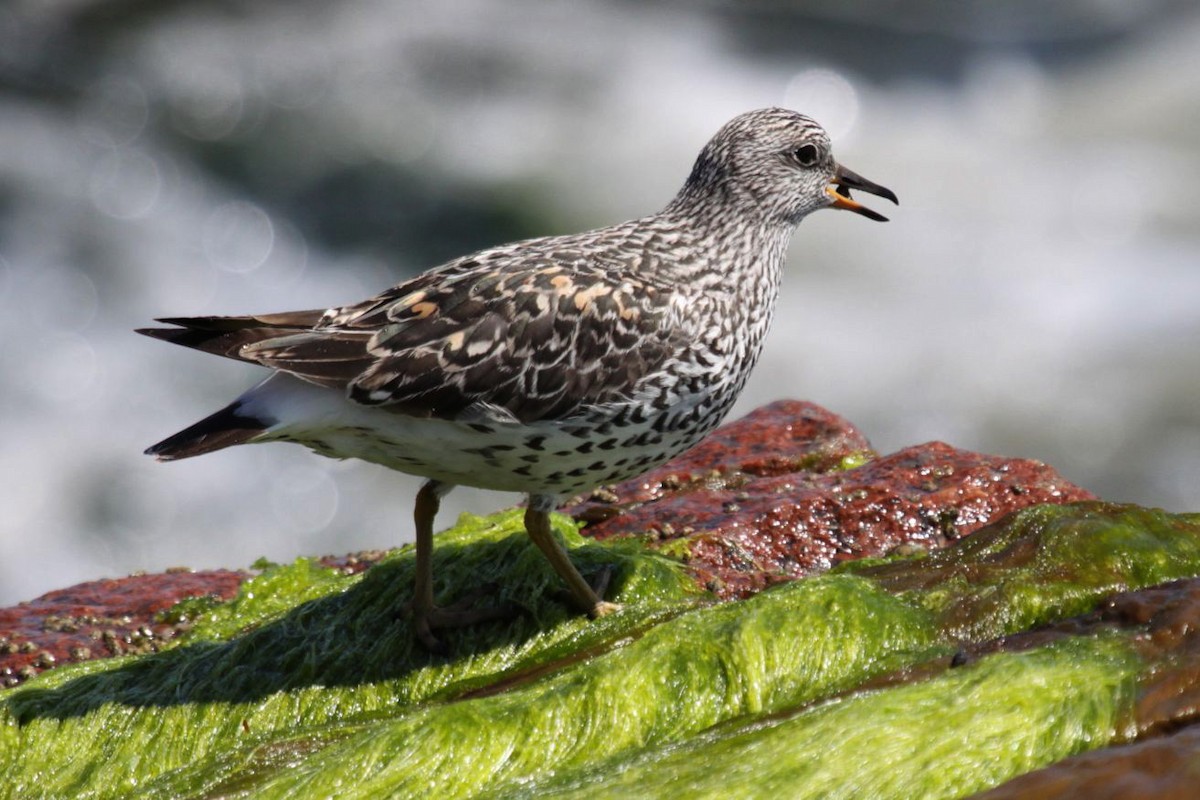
[(159, 451), (217, 431), (184, 322), (182, 336)]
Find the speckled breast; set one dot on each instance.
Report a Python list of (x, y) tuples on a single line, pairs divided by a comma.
[(548, 458)]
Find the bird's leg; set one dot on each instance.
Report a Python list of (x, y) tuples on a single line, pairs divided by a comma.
[(537, 524), (425, 615), (429, 499)]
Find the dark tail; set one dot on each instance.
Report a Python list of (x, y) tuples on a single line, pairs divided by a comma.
[(223, 429), (226, 336)]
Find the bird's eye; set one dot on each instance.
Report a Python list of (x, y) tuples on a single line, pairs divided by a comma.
[(806, 155)]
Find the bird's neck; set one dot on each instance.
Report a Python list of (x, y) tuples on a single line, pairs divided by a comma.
[(726, 276), (734, 248)]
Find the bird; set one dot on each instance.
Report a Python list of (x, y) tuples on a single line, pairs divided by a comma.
[(549, 366)]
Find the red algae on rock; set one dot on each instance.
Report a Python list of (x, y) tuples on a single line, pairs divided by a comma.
[(779, 438), (100, 619), (1164, 769), (769, 498)]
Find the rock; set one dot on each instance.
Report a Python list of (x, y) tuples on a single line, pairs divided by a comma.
[(784, 493), (102, 618)]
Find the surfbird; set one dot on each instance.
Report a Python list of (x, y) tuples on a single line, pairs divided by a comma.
[(548, 366)]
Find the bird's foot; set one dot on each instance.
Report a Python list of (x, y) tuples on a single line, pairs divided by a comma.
[(463, 612), (456, 615), (596, 606), (603, 609)]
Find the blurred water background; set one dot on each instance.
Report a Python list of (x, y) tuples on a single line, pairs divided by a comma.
[(1037, 294)]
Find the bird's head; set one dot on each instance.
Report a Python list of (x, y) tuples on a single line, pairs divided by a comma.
[(779, 166)]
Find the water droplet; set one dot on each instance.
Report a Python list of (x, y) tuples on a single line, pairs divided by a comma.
[(66, 370), (60, 298), (304, 498), (125, 184), (826, 96), (210, 104), (114, 112), (238, 236)]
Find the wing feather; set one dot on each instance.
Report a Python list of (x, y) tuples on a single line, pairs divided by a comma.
[(529, 337)]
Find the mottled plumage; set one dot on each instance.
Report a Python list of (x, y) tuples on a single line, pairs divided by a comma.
[(546, 366)]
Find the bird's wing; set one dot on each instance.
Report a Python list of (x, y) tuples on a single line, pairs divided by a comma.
[(535, 340)]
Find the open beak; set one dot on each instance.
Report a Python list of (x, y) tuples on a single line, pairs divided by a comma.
[(844, 180)]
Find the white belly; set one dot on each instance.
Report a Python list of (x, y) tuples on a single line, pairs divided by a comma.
[(553, 457)]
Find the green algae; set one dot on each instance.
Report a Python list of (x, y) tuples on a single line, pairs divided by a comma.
[(963, 731), (1043, 563), (275, 591), (301, 652), (689, 673), (308, 684), (856, 459)]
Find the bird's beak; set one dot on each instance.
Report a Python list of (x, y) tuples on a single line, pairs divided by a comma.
[(844, 180)]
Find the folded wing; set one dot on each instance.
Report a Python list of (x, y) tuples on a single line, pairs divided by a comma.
[(539, 342)]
